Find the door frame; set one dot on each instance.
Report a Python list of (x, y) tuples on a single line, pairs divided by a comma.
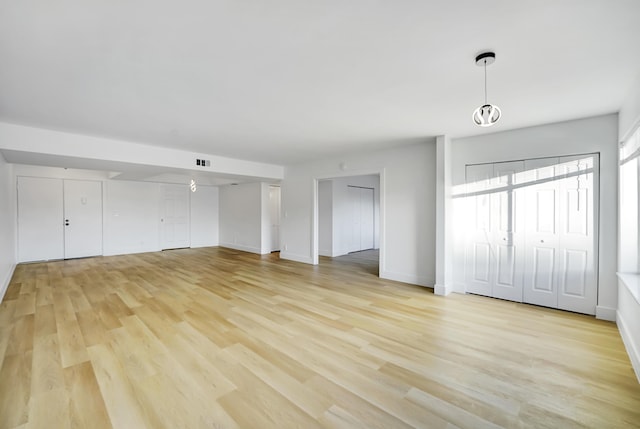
[(314, 217)]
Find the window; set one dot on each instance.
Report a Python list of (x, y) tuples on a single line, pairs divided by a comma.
[(629, 191)]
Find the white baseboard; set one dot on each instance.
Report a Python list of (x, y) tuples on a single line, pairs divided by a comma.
[(443, 290), (633, 349), (249, 249), (406, 278), (199, 245), (460, 288), (5, 283), (325, 252), (606, 313), (296, 258), (129, 251)]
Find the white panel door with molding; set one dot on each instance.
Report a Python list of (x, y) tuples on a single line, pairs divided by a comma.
[(542, 239), (577, 271), (508, 237), (495, 251), (534, 231), (480, 253)]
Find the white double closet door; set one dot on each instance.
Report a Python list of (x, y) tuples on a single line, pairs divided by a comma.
[(533, 235), (58, 219), (361, 201)]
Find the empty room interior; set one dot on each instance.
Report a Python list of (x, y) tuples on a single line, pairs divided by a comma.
[(326, 214)]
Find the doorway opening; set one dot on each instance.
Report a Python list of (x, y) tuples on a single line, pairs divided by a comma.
[(348, 221)]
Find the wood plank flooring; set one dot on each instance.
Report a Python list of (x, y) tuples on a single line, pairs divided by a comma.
[(216, 338)]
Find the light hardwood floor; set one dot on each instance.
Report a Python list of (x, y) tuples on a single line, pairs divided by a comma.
[(215, 338)]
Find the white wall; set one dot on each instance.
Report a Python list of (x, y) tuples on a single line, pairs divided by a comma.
[(79, 150), (445, 222), (628, 315), (265, 220), (325, 218), (131, 210), (131, 216), (7, 225), (407, 195), (242, 216), (204, 216), (629, 116), (598, 134)]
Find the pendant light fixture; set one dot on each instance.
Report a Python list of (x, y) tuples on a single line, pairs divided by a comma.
[(487, 114)]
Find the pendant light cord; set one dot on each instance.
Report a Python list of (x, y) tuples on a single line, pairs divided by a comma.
[(485, 81)]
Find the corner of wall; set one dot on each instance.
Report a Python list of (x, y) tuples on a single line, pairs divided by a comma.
[(605, 313), (243, 248), (442, 290), (5, 284), (8, 225), (305, 259), (632, 349), (629, 115), (406, 278)]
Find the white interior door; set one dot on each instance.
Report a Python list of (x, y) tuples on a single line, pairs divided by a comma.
[(577, 273), (40, 219), (542, 240), (495, 257), (366, 218), (479, 275), (508, 230), (356, 229), (274, 212), (533, 234), (361, 203), (82, 218), (174, 223)]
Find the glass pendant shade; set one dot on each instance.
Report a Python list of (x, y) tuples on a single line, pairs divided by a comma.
[(486, 115)]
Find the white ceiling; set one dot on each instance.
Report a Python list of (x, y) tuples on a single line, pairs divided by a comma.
[(287, 81)]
